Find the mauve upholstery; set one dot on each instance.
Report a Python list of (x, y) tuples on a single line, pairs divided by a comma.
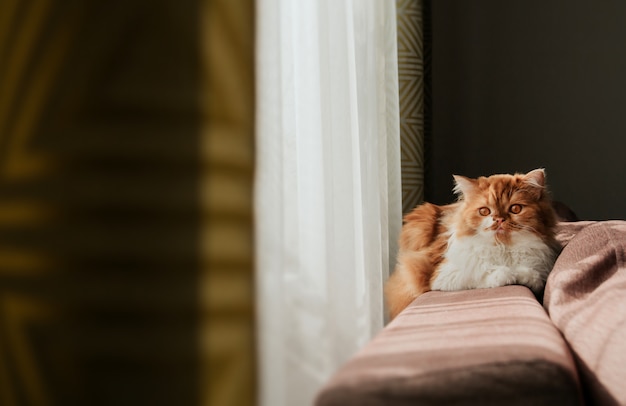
[(586, 300), (498, 346), (485, 346)]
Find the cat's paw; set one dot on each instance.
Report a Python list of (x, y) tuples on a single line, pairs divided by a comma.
[(501, 276), (530, 278)]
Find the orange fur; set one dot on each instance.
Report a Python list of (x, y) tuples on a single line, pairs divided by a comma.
[(422, 245), (424, 238)]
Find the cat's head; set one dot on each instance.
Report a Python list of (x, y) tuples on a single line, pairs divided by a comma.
[(504, 206)]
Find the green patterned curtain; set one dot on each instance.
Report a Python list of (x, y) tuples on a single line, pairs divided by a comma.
[(413, 76), (125, 212)]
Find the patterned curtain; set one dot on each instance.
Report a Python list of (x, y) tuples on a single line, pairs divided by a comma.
[(228, 154), (125, 202), (414, 79)]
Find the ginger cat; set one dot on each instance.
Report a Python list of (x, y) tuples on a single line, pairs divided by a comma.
[(500, 232)]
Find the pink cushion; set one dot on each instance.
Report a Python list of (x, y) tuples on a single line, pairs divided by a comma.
[(586, 299)]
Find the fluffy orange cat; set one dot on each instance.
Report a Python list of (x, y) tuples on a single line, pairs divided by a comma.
[(500, 232)]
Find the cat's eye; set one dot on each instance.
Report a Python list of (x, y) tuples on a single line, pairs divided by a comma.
[(515, 208), (484, 211)]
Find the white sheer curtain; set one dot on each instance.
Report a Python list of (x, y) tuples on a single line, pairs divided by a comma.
[(327, 197)]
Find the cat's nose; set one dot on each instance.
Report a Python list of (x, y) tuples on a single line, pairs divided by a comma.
[(498, 220)]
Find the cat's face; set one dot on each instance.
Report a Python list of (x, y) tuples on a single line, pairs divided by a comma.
[(503, 206)]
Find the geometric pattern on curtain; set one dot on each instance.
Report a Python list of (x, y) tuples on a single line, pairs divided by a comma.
[(228, 165), (100, 220), (411, 74), (125, 203)]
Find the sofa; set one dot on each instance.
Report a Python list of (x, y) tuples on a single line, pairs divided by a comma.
[(504, 346)]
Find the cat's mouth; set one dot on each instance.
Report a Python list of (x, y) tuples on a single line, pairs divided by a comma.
[(504, 231), (496, 226), (499, 228), (501, 233)]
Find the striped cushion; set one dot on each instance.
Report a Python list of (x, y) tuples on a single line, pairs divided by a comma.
[(484, 346)]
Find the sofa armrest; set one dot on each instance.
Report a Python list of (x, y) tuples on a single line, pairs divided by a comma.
[(484, 346)]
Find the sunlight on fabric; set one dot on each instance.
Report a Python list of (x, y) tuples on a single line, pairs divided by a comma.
[(327, 195)]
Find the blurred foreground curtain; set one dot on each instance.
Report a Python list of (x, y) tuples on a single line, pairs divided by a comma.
[(126, 134), (327, 194)]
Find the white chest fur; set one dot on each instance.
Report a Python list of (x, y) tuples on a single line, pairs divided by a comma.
[(478, 262)]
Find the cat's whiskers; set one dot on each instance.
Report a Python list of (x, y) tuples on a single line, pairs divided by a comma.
[(523, 227)]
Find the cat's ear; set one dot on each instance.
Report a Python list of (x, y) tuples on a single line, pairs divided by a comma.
[(536, 182), (463, 185), (536, 178)]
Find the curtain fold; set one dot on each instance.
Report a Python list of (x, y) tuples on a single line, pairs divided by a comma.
[(327, 199)]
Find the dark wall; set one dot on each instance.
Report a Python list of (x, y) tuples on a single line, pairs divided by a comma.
[(520, 85)]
